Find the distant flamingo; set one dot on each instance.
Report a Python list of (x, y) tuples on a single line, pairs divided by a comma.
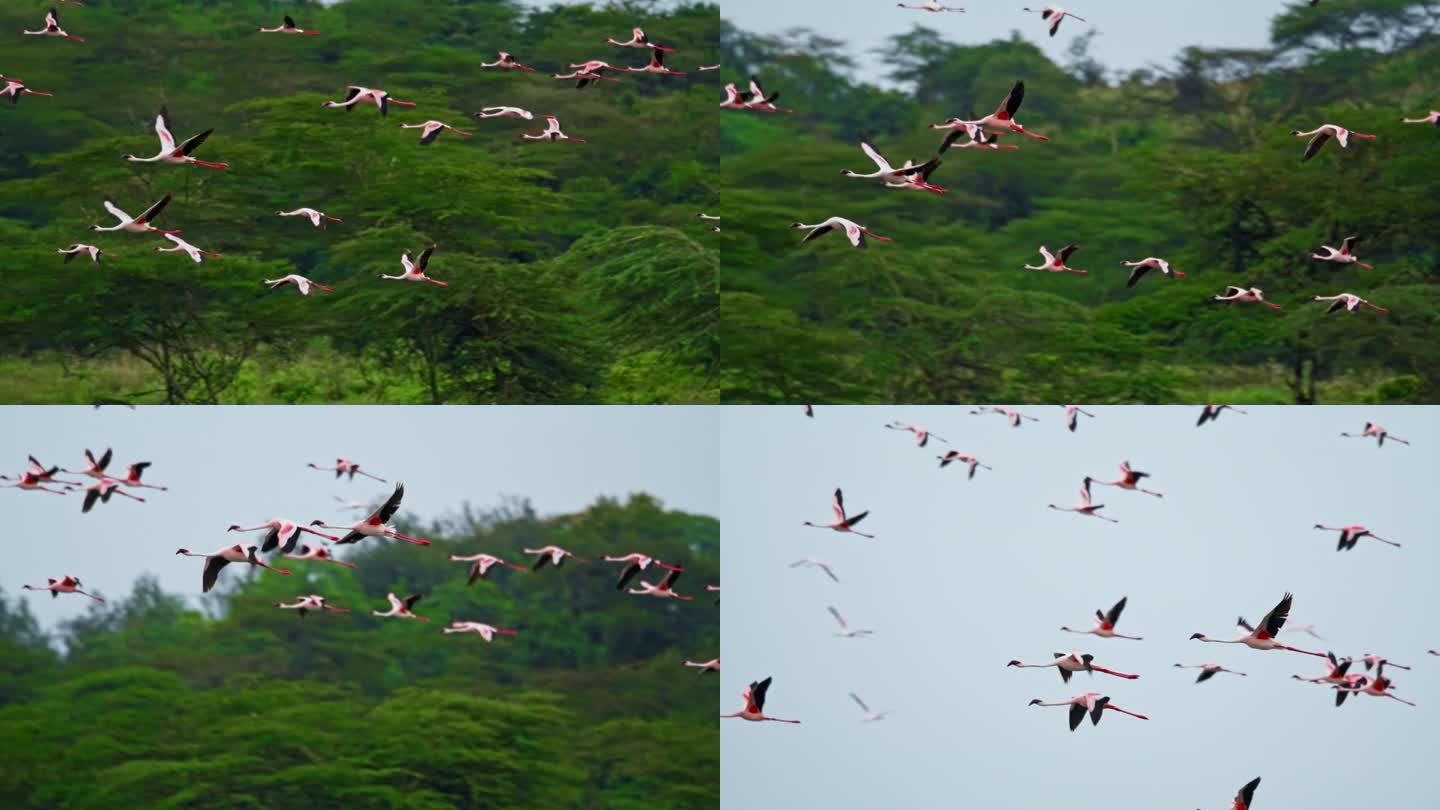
[(922, 436), (280, 532), (133, 473), (1056, 263), (480, 565), (1247, 793), (93, 468), (1212, 412), (1072, 416), (754, 710), (842, 523), (1085, 507), (67, 584), (1013, 416), (1371, 429), (1335, 671), (375, 525), (552, 132), (76, 249), (415, 271), (1263, 636), (318, 554), (759, 101), (503, 112), (1345, 255), (1351, 535), (810, 562), (348, 468), (665, 590), (30, 481), (1371, 660), (702, 667), (102, 490), (430, 130), (845, 630), (177, 154), (1240, 295), (1129, 479), (1002, 120), (638, 40), (355, 94), (312, 602), (140, 224), (1433, 119), (1068, 663), (1378, 686), (52, 28), (1053, 15), (929, 5), (485, 631), (554, 555), (657, 65), (870, 716), (14, 89), (1322, 135), (1208, 671), (230, 554), (303, 284), (400, 608), (317, 218), (506, 62), (1105, 622), (1145, 265), (969, 460), (1092, 703), (196, 254), (1351, 303), (857, 234), (634, 564), (289, 27)]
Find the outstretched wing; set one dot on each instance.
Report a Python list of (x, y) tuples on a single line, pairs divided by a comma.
[(838, 617), (153, 211), (1012, 101), (1247, 793), (390, 507), (194, 142), (1315, 144), (162, 128), (857, 699), (1066, 251), (838, 504), (1275, 619), (1113, 616), (820, 231), (757, 693), (425, 257)]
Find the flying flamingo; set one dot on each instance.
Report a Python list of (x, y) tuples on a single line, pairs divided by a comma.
[(430, 130), (1212, 412), (845, 631), (1371, 660), (551, 132), (733, 99), (1378, 686), (956, 455), (76, 249), (1129, 479), (481, 565), (1335, 672), (1433, 119), (1208, 671), (346, 467), (1351, 535), (1105, 622), (1068, 663), (810, 411), (979, 138), (922, 436), (702, 667), (312, 602), (1323, 133), (754, 710), (230, 554), (280, 532), (485, 631), (811, 562), (303, 284), (1263, 636), (1145, 265), (289, 27), (1092, 703), (1350, 302), (657, 65), (30, 481), (1072, 416), (1055, 263), (52, 28), (1053, 14), (506, 62), (842, 523), (93, 468), (554, 555), (69, 584), (1010, 414), (317, 218), (931, 6), (318, 554), (665, 590), (1345, 255), (375, 525), (1371, 429), (1085, 507), (760, 102), (1002, 120), (196, 254), (883, 168), (133, 473), (400, 608), (917, 177), (359, 95), (140, 224), (45, 474), (102, 490), (1247, 793), (1237, 295), (502, 112), (855, 233), (635, 563), (14, 88), (638, 40), (870, 716), (176, 154), (584, 78)]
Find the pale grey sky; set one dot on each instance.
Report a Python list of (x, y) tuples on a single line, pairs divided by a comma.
[(966, 575), (1133, 34), (246, 465)]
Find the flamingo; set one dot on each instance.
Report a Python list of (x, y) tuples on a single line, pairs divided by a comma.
[(346, 467), (1012, 415), (506, 62), (1345, 255), (733, 99), (702, 667), (811, 562), (1145, 265), (554, 555), (1069, 663), (1371, 660), (1072, 416), (289, 27), (1002, 120), (1351, 535), (922, 436), (1208, 671), (318, 554), (502, 112), (584, 78), (280, 532), (375, 525), (956, 455), (30, 481), (657, 65), (638, 40), (760, 102), (664, 590), (550, 133), (170, 152), (1085, 507), (1105, 622), (102, 490), (1351, 303), (1323, 133), (481, 565), (883, 167), (359, 95), (931, 6), (754, 710), (1371, 429), (1433, 119), (810, 411), (1262, 637), (312, 602), (317, 218), (1247, 793), (133, 473), (140, 224), (1335, 672), (303, 284), (1378, 686), (1237, 295), (196, 254), (230, 554), (430, 130), (1129, 479), (845, 631), (485, 631), (842, 523), (870, 716), (67, 584), (93, 468), (917, 177), (76, 249), (1092, 703), (855, 233), (14, 88), (635, 563), (1053, 14), (979, 138), (1056, 263), (52, 28), (415, 271), (400, 608), (1212, 412)]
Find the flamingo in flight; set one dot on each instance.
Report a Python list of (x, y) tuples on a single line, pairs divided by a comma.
[(638, 40), (318, 554), (1371, 429), (552, 132), (400, 608), (1002, 120), (1433, 119), (346, 467), (702, 667), (1208, 671), (45, 474), (665, 590), (485, 631), (93, 467), (1212, 412), (1069, 663), (230, 554), (1053, 15), (280, 532), (14, 88), (480, 565), (1129, 479), (1262, 636), (505, 61), (173, 153), (1072, 416), (196, 254), (1145, 265), (952, 456), (1239, 295), (922, 436), (415, 271), (67, 584), (312, 602), (1335, 674), (1247, 793), (754, 711), (733, 99), (1378, 686), (317, 218), (76, 249), (30, 481), (359, 95), (870, 716), (52, 28), (303, 284), (554, 555), (1105, 622), (760, 102), (289, 27), (1345, 255), (917, 177), (1055, 263), (1092, 703), (811, 562), (657, 65), (1010, 414), (857, 234), (430, 130), (842, 522), (1350, 302), (102, 490), (1351, 535), (931, 6), (375, 525), (979, 138), (883, 168), (140, 224), (502, 112), (1322, 135), (845, 630), (584, 77), (1371, 661), (634, 564), (133, 473), (1085, 507)]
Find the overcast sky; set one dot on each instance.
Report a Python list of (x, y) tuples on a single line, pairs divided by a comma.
[(966, 575), (1133, 34), (246, 465)]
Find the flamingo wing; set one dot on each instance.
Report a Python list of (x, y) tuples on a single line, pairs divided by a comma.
[(838, 504), (1077, 715), (870, 152), (757, 694), (1113, 616), (628, 574), (1206, 674), (1066, 251), (1275, 619), (390, 507), (857, 699), (1315, 144), (1247, 793), (162, 128), (1348, 246), (838, 617), (671, 578), (212, 571), (412, 599), (149, 216), (425, 256), (115, 211), (193, 143)]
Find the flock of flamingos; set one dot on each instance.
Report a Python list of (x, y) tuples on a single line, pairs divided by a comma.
[(181, 153), (984, 133), (1263, 635), (282, 536)]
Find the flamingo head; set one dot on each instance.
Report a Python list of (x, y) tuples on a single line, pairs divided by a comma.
[(1295, 132), (183, 551), (317, 523), (1013, 664), (233, 527), (1197, 635), (1035, 702), (797, 225), (94, 227)]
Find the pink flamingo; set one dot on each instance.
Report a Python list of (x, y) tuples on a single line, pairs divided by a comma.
[(280, 532), (376, 525), (133, 473), (1350, 302), (289, 27), (1371, 429), (922, 436), (506, 62), (1105, 622), (485, 631), (481, 565), (554, 555), (400, 608), (312, 602), (1092, 703), (1345, 255), (754, 710), (1378, 686), (1212, 412), (1013, 416), (956, 455), (346, 467), (1055, 263), (1072, 416), (842, 523), (1145, 265), (102, 490), (665, 590), (1351, 535), (1263, 637), (1072, 662), (14, 89), (1322, 135), (230, 554), (69, 584), (1208, 671), (52, 28), (1002, 120), (635, 563), (1085, 507), (318, 554), (1129, 479)]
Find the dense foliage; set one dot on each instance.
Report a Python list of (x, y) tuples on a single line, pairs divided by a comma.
[(154, 704), (578, 273), (1193, 162)]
